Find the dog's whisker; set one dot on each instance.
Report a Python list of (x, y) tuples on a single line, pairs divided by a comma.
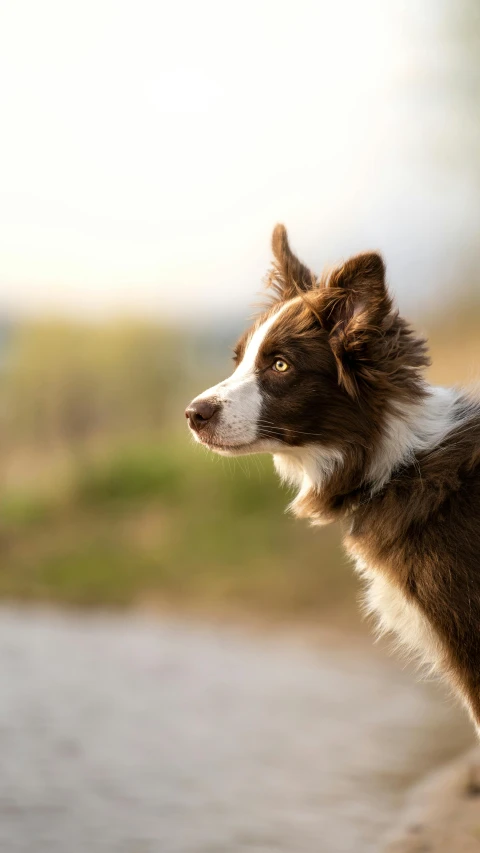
[(295, 430)]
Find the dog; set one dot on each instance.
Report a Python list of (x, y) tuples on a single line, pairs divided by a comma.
[(330, 380)]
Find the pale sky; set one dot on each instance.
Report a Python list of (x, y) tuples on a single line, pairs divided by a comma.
[(148, 148)]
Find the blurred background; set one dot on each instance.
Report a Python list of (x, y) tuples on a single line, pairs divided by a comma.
[(147, 149)]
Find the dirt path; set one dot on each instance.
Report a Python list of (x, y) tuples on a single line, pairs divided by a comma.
[(442, 814)]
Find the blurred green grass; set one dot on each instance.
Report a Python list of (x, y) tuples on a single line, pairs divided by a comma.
[(165, 522)]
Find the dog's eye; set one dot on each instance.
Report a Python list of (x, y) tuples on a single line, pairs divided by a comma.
[(280, 365)]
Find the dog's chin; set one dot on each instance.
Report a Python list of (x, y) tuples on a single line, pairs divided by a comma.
[(231, 449), (223, 448)]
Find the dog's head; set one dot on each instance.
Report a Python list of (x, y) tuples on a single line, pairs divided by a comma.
[(321, 366)]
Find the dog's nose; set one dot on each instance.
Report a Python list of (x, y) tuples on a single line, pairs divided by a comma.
[(200, 412)]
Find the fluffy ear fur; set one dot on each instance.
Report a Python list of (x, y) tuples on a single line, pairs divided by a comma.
[(288, 276), (370, 342)]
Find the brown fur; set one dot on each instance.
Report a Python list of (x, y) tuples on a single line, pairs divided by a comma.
[(423, 530)]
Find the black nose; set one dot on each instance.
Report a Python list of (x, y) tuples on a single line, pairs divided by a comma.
[(200, 412)]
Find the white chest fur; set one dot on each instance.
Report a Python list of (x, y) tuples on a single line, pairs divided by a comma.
[(397, 615)]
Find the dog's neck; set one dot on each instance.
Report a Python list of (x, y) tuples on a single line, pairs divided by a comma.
[(333, 482)]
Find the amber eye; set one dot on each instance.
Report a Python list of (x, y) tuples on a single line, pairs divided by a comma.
[(280, 365)]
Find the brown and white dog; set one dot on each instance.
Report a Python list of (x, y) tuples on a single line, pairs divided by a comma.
[(329, 379)]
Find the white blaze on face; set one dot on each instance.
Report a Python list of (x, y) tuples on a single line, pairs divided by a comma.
[(240, 395)]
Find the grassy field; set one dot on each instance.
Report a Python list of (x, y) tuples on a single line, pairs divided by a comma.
[(165, 522)]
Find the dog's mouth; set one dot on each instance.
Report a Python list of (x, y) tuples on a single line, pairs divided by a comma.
[(232, 448), (211, 440)]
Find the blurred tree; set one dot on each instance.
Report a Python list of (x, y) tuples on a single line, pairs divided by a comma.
[(459, 144), (65, 382), (459, 33)]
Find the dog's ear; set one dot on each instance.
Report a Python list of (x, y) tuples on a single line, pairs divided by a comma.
[(356, 311), (288, 276)]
